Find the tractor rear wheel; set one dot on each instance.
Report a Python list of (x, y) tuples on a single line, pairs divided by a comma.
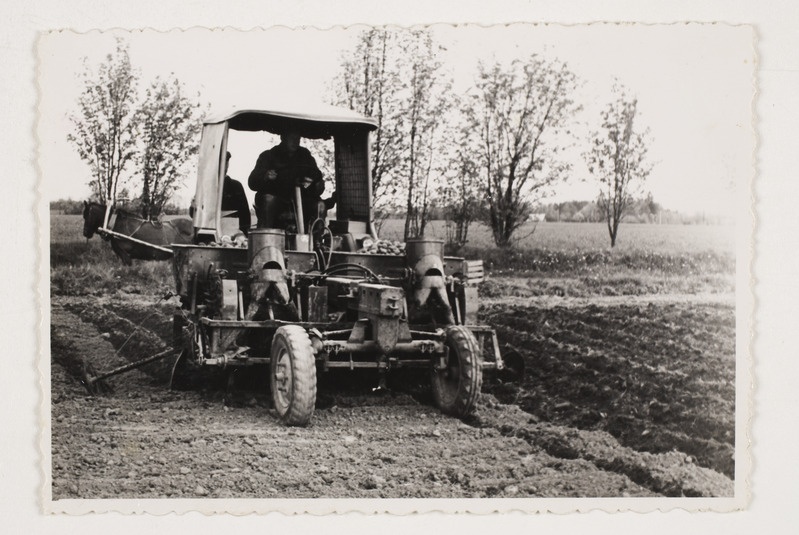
[(456, 387), (293, 375)]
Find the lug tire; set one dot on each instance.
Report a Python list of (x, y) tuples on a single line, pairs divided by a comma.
[(457, 388), (292, 375)]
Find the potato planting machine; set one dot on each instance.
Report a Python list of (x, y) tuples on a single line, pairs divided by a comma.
[(298, 303)]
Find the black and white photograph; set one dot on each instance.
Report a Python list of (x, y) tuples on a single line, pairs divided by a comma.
[(449, 267)]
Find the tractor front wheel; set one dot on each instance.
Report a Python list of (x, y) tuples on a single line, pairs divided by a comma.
[(456, 387), (293, 375)]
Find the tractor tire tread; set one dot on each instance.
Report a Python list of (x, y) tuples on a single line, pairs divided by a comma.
[(470, 370), (303, 363)]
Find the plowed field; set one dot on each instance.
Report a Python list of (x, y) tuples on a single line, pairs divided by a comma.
[(630, 396)]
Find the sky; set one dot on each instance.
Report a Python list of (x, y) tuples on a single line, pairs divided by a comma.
[(694, 84)]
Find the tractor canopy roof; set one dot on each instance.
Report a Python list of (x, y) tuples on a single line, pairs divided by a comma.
[(314, 121), (348, 129)]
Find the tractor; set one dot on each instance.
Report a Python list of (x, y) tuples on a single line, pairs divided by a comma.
[(303, 301)]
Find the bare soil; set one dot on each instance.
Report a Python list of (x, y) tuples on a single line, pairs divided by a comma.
[(628, 398), (658, 377)]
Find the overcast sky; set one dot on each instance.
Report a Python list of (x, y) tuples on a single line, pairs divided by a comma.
[(694, 84)]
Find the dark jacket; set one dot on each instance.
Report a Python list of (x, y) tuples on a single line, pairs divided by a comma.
[(233, 198), (291, 169)]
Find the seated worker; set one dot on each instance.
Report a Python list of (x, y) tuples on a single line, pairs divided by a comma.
[(276, 174), (234, 199)]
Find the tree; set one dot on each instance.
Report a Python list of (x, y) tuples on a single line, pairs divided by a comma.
[(393, 76), (368, 83), (104, 125), (426, 101), (516, 114), (618, 158), (461, 193), (170, 128)]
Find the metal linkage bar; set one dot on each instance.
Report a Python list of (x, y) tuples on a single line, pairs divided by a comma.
[(414, 347), (270, 324), (498, 363), (104, 231), (394, 363), (225, 361), (89, 381)]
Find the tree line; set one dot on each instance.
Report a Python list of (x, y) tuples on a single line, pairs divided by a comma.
[(640, 210), (490, 153)]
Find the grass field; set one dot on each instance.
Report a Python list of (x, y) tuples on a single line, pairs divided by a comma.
[(584, 248), (89, 267), (665, 239), (646, 257), (551, 236)]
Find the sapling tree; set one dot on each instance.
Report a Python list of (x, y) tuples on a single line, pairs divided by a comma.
[(104, 123), (618, 158), (368, 83), (169, 126)]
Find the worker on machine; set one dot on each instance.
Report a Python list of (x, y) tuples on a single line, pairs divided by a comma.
[(234, 201), (277, 174)]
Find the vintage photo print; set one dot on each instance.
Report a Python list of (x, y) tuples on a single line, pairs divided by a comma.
[(446, 267)]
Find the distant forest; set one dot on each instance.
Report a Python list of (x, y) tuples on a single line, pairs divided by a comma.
[(642, 211)]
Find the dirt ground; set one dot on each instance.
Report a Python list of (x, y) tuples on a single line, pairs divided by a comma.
[(622, 397)]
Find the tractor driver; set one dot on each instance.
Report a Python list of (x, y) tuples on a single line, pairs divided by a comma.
[(277, 172)]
